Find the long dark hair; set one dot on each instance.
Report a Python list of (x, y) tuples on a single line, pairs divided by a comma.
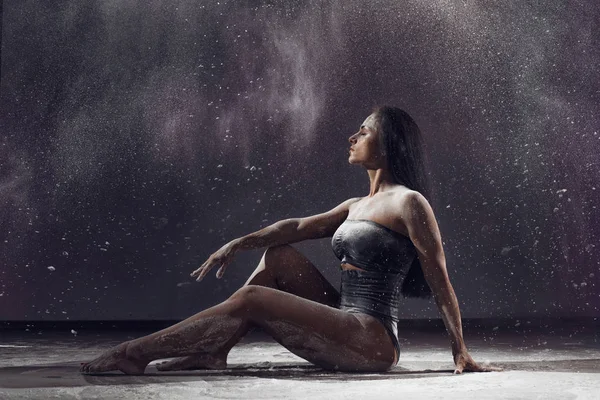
[(402, 142)]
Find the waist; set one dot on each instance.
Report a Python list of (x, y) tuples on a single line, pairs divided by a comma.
[(374, 293), (384, 265)]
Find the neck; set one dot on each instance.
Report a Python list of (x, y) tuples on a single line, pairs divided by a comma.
[(381, 180)]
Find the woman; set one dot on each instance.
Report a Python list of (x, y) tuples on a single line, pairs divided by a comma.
[(388, 243)]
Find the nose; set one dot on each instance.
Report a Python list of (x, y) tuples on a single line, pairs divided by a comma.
[(352, 139)]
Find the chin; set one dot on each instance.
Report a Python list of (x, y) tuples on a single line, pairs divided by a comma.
[(352, 159)]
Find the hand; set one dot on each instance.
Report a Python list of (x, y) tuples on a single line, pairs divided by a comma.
[(465, 363), (221, 257)]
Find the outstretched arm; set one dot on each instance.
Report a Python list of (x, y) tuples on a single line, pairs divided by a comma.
[(286, 231), (424, 233), (294, 230)]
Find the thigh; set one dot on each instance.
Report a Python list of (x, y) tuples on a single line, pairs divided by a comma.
[(325, 336), (287, 269)]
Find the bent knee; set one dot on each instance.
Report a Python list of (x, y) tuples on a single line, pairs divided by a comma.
[(275, 256), (247, 293), (279, 251), (249, 300)]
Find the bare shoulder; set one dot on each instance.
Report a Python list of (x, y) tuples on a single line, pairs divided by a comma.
[(422, 226), (413, 203), (352, 200), (344, 207), (326, 223), (420, 219)]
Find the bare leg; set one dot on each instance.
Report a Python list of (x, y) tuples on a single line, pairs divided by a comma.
[(323, 335), (283, 268)]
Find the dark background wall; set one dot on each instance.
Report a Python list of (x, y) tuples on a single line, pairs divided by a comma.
[(137, 137)]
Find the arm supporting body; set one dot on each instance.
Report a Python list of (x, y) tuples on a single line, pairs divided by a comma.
[(425, 235), (447, 303)]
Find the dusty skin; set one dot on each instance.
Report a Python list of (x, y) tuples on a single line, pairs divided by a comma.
[(288, 297), (283, 305)]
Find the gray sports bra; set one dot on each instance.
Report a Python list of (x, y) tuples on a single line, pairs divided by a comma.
[(373, 247)]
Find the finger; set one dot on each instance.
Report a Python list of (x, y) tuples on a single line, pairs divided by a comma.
[(201, 268), (204, 272), (207, 269), (478, 368), (201, 273), (492, 369), (197, 272), (221, 270), (208, 265)]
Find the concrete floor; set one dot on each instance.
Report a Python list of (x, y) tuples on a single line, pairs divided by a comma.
[(557, 365)]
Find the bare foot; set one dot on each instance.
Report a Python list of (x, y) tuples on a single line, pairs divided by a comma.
[(115, 359), (198, 361)]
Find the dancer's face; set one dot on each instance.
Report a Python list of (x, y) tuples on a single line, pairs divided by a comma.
[(365, 148)]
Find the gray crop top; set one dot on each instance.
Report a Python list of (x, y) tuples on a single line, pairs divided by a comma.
[(373, 247)]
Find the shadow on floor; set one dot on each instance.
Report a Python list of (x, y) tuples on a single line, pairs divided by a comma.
[(67, 374)]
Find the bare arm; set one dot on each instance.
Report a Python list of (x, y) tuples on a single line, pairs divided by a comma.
[(281, 232), (424, 233), (293, 230)]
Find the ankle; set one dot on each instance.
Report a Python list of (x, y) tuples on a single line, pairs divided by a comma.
[(134, 351), (217, 357), (221, 354)]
